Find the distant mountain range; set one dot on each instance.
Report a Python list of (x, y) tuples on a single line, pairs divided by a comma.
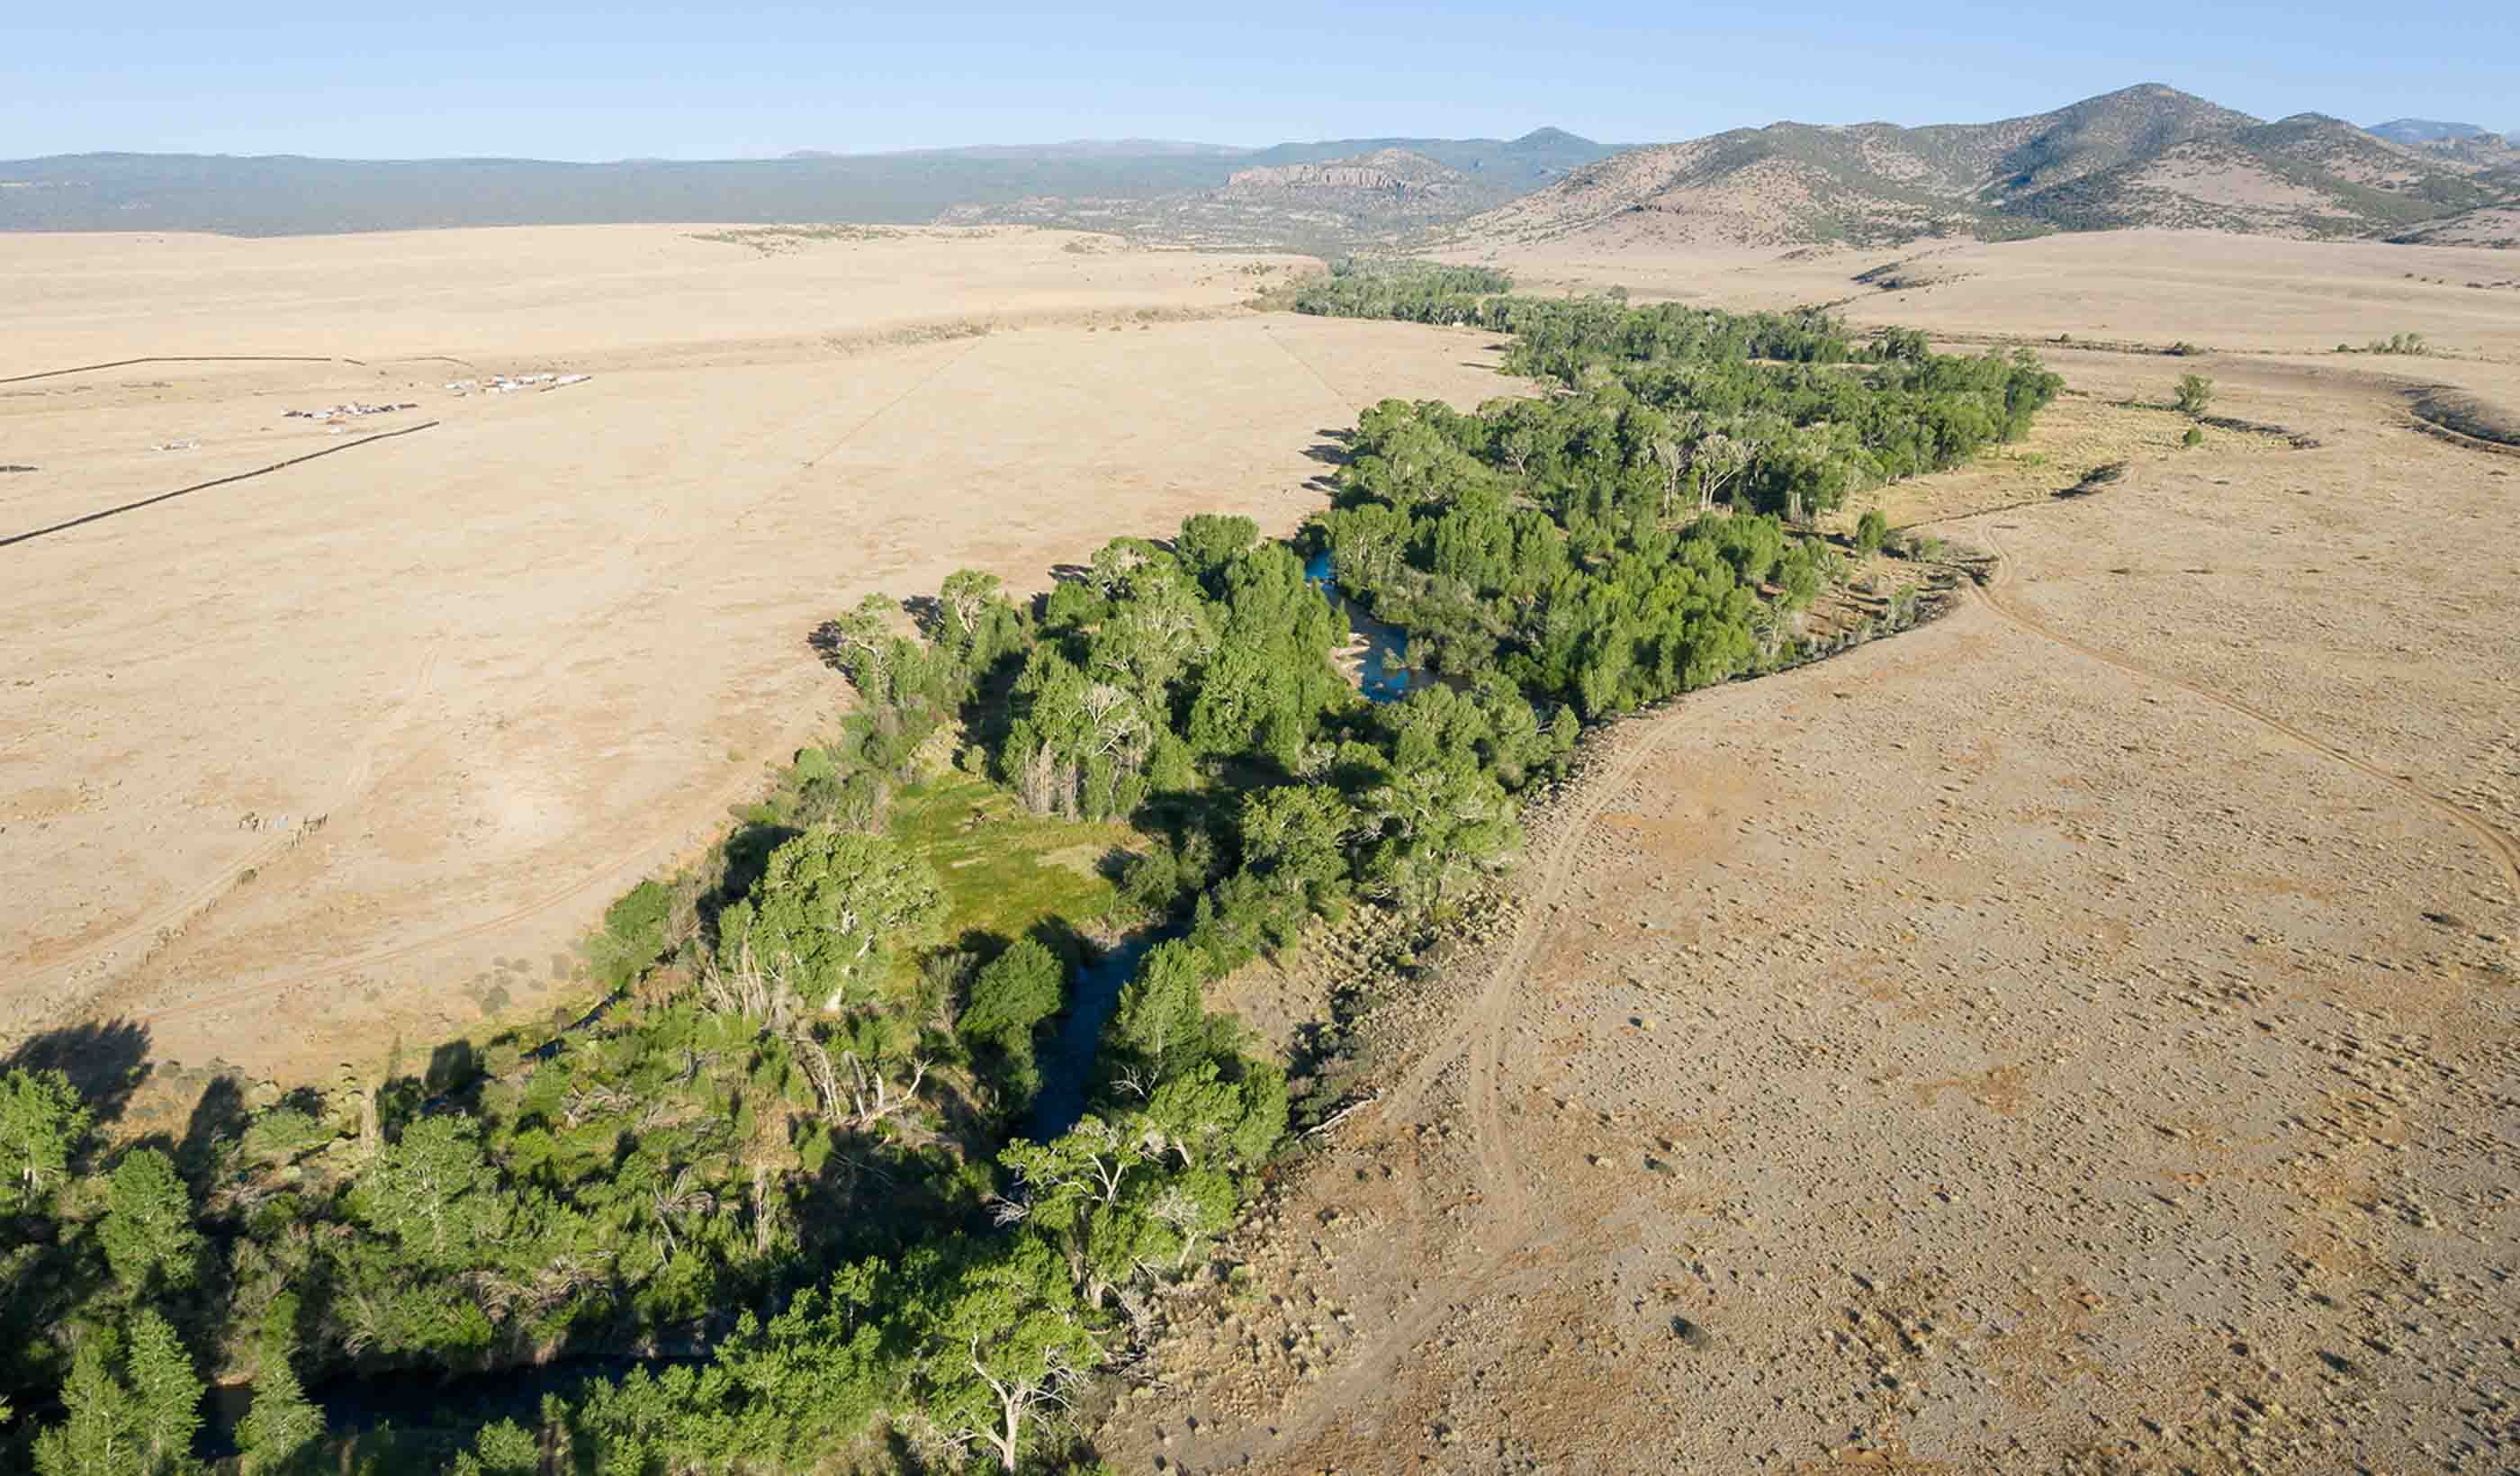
[(1332, 197), (2144, 155), (284, 195), (1077, 148), (2415, 131)]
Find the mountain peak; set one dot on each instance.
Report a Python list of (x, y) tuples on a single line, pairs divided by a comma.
[(2149, 155), (1552, 138)]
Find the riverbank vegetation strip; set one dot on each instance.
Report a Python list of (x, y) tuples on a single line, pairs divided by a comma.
[(800, 1146)]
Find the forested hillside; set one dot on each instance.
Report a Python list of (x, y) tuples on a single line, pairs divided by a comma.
[(809, 1167)]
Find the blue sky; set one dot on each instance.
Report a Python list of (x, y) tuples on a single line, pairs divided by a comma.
[(443, 77)]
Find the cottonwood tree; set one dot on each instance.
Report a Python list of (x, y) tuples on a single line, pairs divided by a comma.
[(1718, 457), (866, 646), (1007, 1000), (1160, 1025), (1115, 563), (1189, 1208), (1003, 1347), (1079, 743), (1368, 544), (1088, 1164), (830, 913), (1440, 822), (1159, 630), (279, 1431), (976, 621), (435, 1192), (884, 1065), (1295, 841), (1210, 543), (148, 1233), (138, 1424), (1408, 459), (1205, 1120), (42, 1123)]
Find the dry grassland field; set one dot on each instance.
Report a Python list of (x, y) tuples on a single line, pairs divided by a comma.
[(295, 766), (2079, 1035)]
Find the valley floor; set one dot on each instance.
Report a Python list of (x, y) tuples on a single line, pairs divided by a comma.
[(2079, 1035), (295, 766)]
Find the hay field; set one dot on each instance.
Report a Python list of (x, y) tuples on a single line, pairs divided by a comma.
[(513, 662)]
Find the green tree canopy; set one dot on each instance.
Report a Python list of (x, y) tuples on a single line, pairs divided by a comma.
[(148, 1232), (42, 1123), (830, 911)]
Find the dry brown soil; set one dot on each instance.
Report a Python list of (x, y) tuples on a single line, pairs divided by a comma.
[(2079, 1035), (299, 764)]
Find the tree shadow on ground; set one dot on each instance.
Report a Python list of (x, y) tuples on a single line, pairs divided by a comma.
[(105, 1060), (927, 613), (217, 1123), (824, 642)]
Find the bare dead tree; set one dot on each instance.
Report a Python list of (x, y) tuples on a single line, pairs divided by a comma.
[(817, 1062), (765, 1211), (755, 990), (873, 1095), (1720, 457)]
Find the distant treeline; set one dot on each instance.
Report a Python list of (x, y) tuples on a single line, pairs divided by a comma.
[(797, 1137)]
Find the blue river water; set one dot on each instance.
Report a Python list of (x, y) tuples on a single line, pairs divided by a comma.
[(1384, 675), (1067, 1064)]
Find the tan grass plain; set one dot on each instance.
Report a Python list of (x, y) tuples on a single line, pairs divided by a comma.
[(517, 660), (2077, 1036)]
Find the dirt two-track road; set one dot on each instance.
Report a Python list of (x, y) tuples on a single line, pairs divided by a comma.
[(2079, 1035)]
